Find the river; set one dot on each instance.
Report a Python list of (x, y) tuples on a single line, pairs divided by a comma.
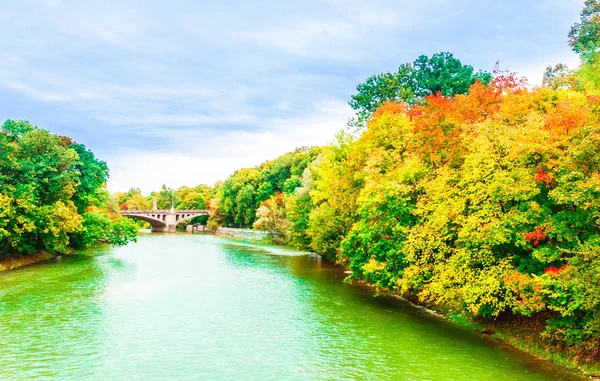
[(197, 306)]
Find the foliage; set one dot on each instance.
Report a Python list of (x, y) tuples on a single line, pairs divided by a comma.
[(584, 36), (486, 202), (558, 77), (271, 216), (481, 196), (165, 198), (239, 197), (51, 193), (441, 73)]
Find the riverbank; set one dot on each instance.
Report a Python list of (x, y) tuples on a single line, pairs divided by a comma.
[(24, 260)]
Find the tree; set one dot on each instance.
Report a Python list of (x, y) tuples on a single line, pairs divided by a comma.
[(92, 178), (242, 193), (584, 36), (558, 77), (138, 202), (443, 73), (381, 88), (193, 198), (164, 198), (51, 192), (271, 217)]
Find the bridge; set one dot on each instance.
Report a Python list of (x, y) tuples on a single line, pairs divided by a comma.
[(163, 220)]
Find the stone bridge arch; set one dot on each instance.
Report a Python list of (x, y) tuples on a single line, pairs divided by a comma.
[(163, 220)]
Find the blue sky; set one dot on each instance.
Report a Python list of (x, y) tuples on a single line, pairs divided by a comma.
[(185, 92)]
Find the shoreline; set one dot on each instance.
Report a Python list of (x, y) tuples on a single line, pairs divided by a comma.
[(512, 333), (24, 260)]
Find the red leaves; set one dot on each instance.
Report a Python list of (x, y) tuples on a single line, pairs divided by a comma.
[(542, 177), (509, 82), (554, 270), (437, 128), (536, 237), (65, 140)]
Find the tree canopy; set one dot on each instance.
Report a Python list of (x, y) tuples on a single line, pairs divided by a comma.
[(52, 194), (584, 36), (411, 83)]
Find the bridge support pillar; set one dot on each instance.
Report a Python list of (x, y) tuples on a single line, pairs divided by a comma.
[(162, 229)]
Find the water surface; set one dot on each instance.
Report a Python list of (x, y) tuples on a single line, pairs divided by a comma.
[(196, 306)]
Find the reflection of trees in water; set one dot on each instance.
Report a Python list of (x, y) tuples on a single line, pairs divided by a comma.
[(342, 331), (51, 317), (255, 256)]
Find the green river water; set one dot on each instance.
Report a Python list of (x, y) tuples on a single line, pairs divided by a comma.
[(201, 307)]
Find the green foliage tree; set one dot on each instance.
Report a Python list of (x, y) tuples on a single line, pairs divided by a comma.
[(165, 198), (51, 189), (193, 198), (584, 36), (240, 195), (381, 88)]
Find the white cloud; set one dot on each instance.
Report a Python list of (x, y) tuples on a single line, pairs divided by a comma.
[(205, 159), (179, 119)]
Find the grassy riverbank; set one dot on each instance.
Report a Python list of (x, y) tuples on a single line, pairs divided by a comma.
[(24, 260)]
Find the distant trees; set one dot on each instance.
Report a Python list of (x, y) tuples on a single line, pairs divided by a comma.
[(165, 198), (558, 76), (194, 198), (241, 194)]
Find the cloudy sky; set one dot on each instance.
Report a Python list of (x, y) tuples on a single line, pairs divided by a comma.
[(184, 92)]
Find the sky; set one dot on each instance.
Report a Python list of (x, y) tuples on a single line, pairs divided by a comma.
[(184, 92)]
